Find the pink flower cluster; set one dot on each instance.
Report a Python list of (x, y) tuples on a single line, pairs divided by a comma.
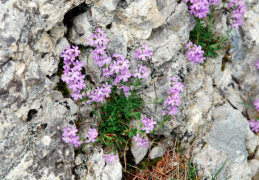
[(256, 104), (200, 8), (126, 89), (195, 53), (144, 53), (239, 8), (72, 71), (118, 68), (141, 72), (99, 94), (254, 125), (91, 135), (173, 100), (141, 142), (69, 136), (110, 157), (148, 124)]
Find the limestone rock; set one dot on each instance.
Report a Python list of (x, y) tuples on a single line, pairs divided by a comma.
[(226, 141), (138, 152), (156, 152), (81, 30), (141, 17)]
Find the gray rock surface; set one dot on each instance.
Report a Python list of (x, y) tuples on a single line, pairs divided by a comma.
[(226, 141), (156, 152), (33, 114)]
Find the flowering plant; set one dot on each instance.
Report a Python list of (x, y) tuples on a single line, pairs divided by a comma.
[(203, 37), (116, 103)]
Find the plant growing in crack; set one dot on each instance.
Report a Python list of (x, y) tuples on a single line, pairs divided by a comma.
[(203, 42), (117, 102)]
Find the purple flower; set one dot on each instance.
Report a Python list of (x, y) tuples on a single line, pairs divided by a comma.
[(239, 9), (143, 54), (75, 141), (72, 76), (92, 134), (107, 72), (110, 157), (142, 72), (98, 39), (256, 104), (148, 124), (214, 2), (199, 8), (164, 112), (254, 125), (126, 90), (172, 110), (69, 136), (195, 54), (107, 90), (76, 95), (125, 75), (116, 80), (72, 132), (97, 95), (77, 65), (173, 100), (116, 67), (257, 64), (140, 142)]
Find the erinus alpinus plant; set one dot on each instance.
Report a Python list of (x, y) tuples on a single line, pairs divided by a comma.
[(116, 103), (203, 41)]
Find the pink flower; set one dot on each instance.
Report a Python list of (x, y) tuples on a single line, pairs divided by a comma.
[(254, 125), (173, 100), (257, 64), (69, 136), (72, 76), (110, 157), (125, 75), (143, 54), (256, 104), (195, 54), (148, 124), (239, 9), (92, 134), (142, 72), (140, 142)]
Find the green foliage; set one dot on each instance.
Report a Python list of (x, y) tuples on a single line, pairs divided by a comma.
[(192, 171), (203, 35), (115, 116), (214, 176)]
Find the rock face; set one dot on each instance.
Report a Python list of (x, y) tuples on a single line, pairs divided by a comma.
[(226, 142), (32, 113)]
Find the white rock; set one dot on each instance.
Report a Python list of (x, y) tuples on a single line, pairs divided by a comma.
[(156, 152), (80, 30), (138, 152), (8, 69), (46, 140)]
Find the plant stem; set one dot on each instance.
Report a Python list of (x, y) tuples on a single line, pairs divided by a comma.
[(198, 30), (223, 39)]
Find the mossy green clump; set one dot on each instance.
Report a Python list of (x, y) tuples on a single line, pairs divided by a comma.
[(149, 163)]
